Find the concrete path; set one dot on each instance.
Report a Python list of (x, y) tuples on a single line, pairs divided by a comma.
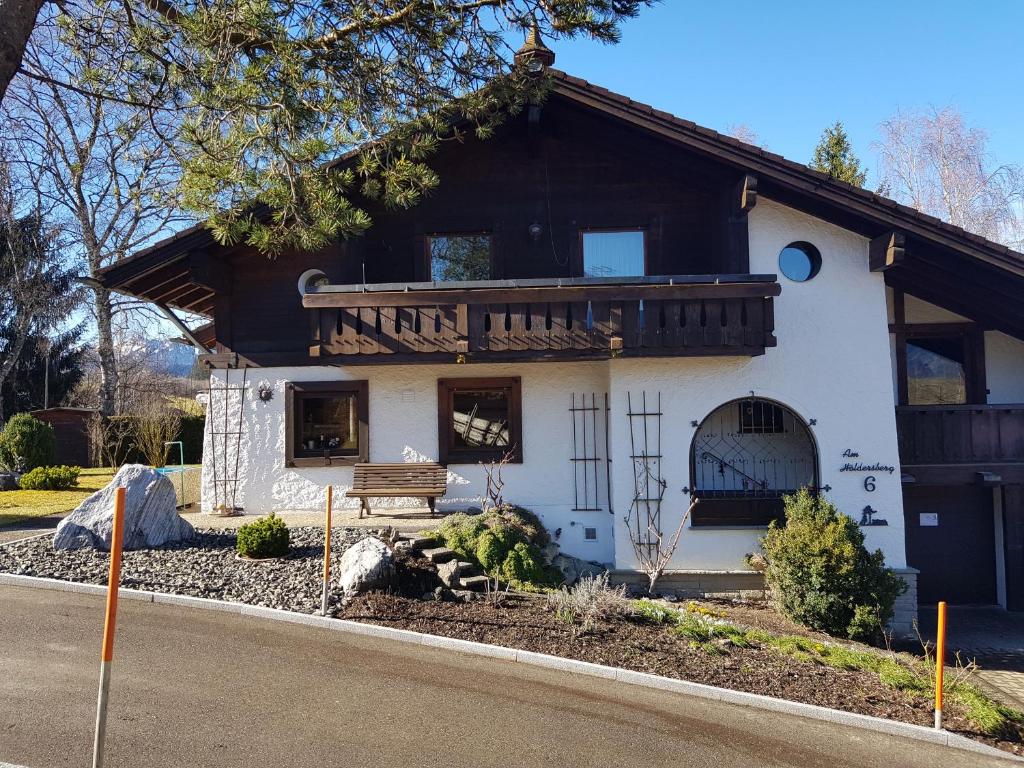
[(406, 520), (198, 688), (991, 636)]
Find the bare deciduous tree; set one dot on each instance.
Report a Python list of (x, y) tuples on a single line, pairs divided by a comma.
[(653, 552), (103, 166), (933, 161)]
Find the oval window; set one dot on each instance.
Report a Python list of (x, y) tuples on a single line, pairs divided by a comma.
[(799, 262)]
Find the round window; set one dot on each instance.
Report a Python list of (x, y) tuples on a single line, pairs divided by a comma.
[(799, 262)]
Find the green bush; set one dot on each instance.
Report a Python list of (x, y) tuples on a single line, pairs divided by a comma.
[(26, 443), (523, 565), (50, 478), (506, 542), (821, 574), (266, 537)]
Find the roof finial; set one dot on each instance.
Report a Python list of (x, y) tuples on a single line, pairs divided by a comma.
[(534, 54)]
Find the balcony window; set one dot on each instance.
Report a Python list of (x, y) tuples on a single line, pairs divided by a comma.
[(327, 423), (479, 420), (613, 253), (936, 371), (459, 257), (940, 363)]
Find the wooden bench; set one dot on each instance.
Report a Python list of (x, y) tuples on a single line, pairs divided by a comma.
[(397, 480)]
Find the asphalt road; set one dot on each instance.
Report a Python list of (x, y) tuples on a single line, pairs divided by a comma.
[(199, 688)]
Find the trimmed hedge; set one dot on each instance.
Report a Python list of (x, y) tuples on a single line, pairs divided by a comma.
[(50, 478), (26, 443)]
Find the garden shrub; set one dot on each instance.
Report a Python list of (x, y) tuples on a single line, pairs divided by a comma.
[(266, 537), (505, 541), (820, 573), (50, 478), (523, 565), (26, 443), (590, 601)]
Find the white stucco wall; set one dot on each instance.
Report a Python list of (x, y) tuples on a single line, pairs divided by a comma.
[(831, 365), (403, 427), (1004, 368)]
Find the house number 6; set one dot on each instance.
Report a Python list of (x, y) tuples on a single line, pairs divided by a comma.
[(869, 483)]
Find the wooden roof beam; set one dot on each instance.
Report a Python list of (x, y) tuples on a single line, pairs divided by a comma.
[(886, 251)]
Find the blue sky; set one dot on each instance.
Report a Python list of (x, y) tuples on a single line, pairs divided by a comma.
[(787, 69)]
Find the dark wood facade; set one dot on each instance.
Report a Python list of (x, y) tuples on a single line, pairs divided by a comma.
[(955, 444)]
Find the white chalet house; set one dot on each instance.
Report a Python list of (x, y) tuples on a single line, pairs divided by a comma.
[(639, 310)]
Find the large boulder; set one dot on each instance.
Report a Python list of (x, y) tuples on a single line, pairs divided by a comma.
[(150, 517), (367, 565)]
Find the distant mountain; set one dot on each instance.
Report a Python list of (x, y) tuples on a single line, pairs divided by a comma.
[(164, 356)]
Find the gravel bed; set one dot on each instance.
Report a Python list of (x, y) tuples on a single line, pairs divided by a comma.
[(204, 567)]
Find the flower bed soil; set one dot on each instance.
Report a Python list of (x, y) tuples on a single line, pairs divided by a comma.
[(207, 567)]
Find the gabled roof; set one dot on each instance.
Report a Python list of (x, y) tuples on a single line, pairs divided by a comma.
[(944, 264)]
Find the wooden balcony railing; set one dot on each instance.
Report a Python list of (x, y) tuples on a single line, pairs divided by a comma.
[(588, 319), (960, 434)]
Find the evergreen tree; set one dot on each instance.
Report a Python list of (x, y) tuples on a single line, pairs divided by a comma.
[(834, 156), (23, 389)]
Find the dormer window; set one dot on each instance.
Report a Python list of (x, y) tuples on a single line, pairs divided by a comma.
[(613, 253), (457, 257)]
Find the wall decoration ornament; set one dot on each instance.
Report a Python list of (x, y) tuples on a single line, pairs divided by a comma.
[(265, 392), (860, 466), (867, 517)]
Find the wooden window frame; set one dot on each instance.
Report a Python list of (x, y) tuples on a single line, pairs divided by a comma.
[(581, 265), (296, 390), (451, 454), (971, 334), (426, 262)]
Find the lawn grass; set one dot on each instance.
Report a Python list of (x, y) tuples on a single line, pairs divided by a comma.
[(706, 630), (19, 506)]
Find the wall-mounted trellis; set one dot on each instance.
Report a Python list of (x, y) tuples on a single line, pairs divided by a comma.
[(591, 473), (644, 516), (224, 411)]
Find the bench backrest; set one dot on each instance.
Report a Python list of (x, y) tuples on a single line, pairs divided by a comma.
[(419, 475)]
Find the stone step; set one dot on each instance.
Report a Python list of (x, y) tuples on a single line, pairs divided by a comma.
[(421, 542), (477, 583), (438, 554), (467, 568)]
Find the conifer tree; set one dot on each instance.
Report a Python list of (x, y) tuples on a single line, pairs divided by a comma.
[(834, 156)]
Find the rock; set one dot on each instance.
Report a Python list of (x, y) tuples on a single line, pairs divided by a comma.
[(150, 517), (465, 595), (366, 565), (9, 481), (449, 573), (474, 511), (575, 568)]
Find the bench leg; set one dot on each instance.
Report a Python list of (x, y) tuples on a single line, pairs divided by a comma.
[(366, 504), (430, 503)]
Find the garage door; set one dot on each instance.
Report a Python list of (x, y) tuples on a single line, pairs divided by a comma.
[(951, 541)]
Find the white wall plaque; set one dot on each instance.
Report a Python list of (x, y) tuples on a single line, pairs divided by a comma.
[(929, 519)]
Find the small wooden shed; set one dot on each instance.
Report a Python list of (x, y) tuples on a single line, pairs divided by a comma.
[(71, 433)]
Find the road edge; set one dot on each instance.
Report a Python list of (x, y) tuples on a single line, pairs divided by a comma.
[(643, 679)]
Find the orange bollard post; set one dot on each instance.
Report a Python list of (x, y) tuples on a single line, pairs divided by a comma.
[(109, 623), (327, 551), (940, 663)]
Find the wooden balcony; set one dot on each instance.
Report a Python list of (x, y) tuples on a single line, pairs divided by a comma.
[(581, 318), (942, 444)]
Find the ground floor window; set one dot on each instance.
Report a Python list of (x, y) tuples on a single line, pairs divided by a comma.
[(479, 420), (746, 455), (327, 423)]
